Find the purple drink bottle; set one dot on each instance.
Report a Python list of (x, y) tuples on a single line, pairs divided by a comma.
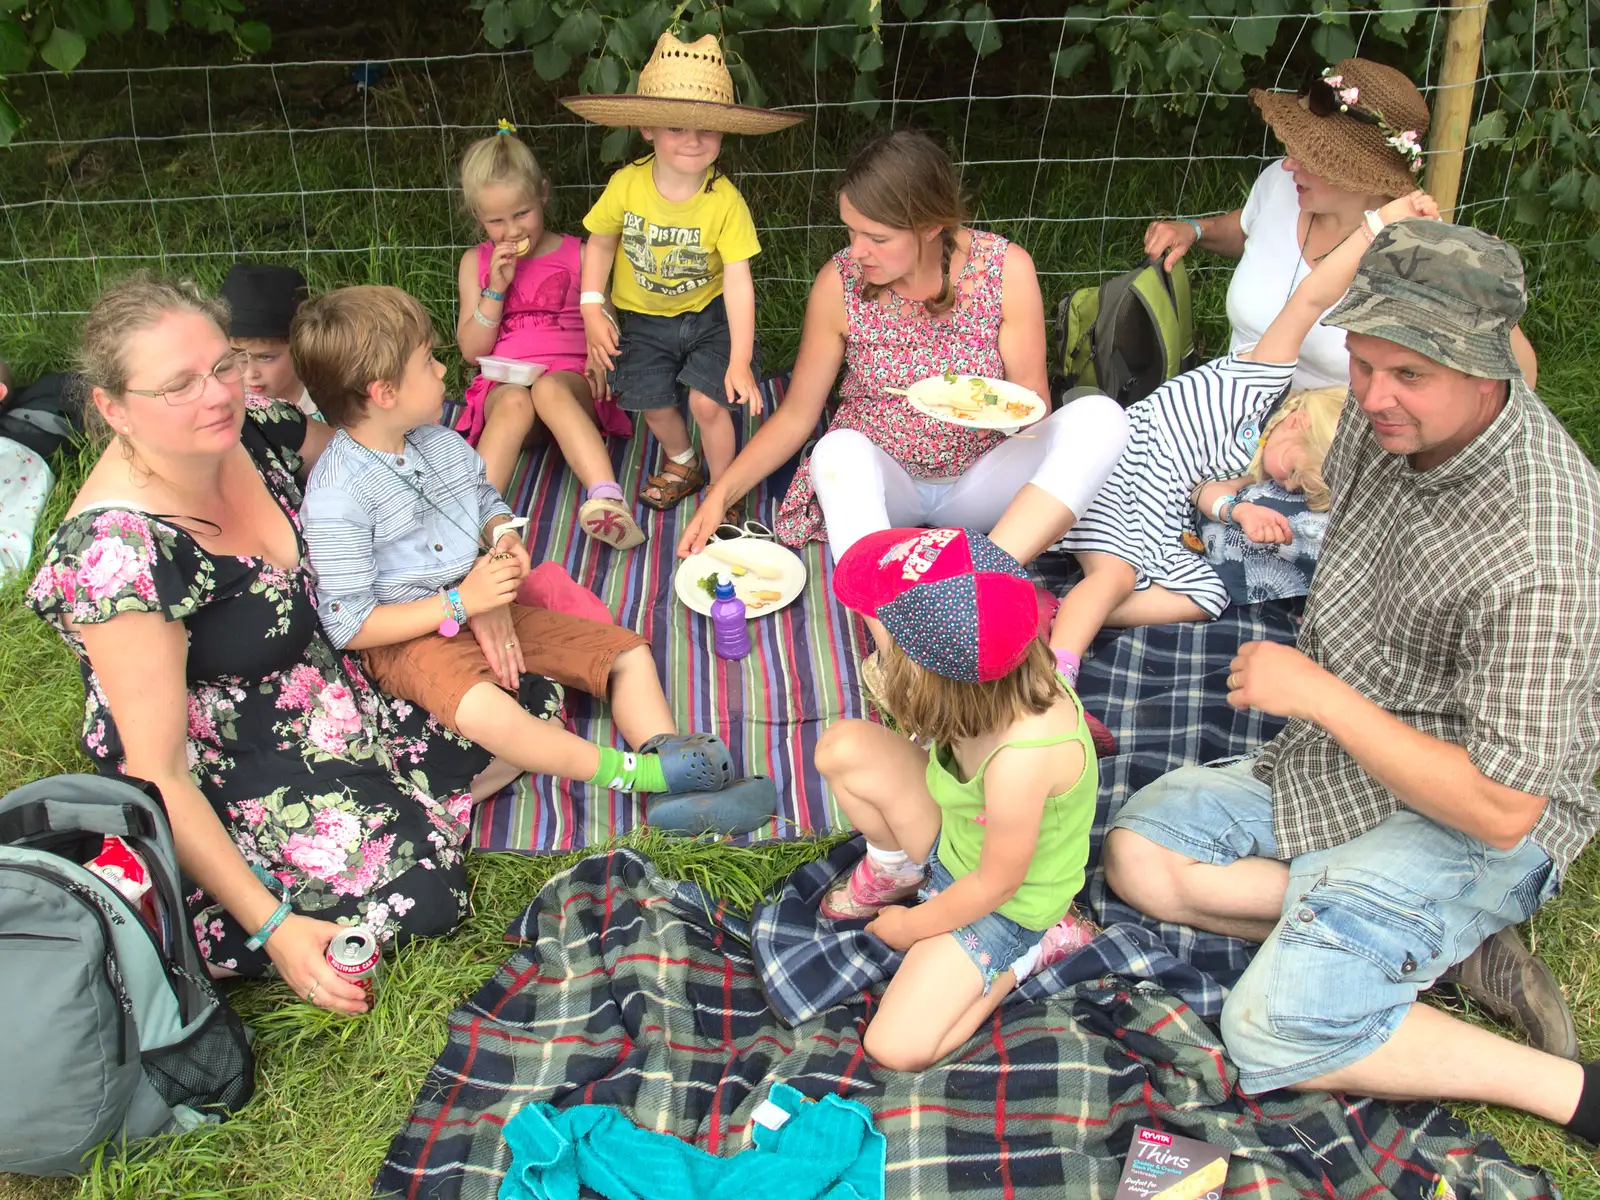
[(730, 635)]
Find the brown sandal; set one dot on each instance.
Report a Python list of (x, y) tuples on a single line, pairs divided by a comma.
[(673, 485)]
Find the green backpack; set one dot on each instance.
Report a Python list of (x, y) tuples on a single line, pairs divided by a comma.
[(1129, 335)]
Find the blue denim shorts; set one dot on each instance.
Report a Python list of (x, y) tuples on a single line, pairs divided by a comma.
[(1366, 927), (992, 942), (661, 357)]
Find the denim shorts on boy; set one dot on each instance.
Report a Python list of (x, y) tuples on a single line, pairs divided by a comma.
[(992, 942), (660, 354), (1366, 926)]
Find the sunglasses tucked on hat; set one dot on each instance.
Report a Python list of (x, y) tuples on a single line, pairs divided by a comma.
[(1358, 125), (683, 86), (1450, 292), (953, 601), (262, 299)]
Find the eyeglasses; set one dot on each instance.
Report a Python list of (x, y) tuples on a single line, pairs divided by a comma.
[(1327, 95), (190, 388)]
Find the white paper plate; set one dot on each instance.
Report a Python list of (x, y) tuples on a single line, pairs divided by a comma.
[(509, 370), (790, 583), (925, 395)]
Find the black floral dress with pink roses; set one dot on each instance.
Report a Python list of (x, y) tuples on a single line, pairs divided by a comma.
[(355, 801)]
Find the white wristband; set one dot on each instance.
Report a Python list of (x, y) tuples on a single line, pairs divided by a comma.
[(1218, 504), (1373, 223), (591, 297)]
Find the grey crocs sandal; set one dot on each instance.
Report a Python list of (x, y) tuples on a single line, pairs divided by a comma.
[(740, 807), (692, 762)]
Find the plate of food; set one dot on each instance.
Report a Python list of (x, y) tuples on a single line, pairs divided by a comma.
[(766, 576), (976, 402)]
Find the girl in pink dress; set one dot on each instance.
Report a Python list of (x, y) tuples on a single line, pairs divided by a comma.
[(519, 299)]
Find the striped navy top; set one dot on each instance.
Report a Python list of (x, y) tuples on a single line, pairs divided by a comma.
[(391, 528), (1203, 424)]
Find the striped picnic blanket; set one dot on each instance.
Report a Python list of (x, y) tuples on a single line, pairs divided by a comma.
[(800, 676)]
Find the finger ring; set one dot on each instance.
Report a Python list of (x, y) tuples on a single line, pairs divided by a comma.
[(1233, 682), (500, 554), (311, 992), (510, 645)]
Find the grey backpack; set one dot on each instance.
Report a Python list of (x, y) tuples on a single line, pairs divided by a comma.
[(112, 1030)]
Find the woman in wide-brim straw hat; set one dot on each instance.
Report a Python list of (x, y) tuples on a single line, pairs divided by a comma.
[(682, 284), (1352, 138)]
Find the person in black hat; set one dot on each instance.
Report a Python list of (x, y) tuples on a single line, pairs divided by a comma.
[(262, 300)]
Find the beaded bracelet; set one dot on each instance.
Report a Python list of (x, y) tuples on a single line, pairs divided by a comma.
[(486, 322)]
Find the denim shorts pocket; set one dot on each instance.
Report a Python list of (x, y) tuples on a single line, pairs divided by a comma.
[(1536, 887), (1397, 933)]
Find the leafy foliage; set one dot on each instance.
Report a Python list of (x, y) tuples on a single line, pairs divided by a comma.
[(1542, 104), (1541, 116), (58, 33), (1540, 108)]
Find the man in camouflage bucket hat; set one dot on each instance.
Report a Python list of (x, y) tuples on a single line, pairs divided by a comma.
[(1435, 778), (1445, 291)]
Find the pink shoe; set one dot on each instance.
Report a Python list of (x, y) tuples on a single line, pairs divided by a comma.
[(1047, 602), (607, 519), (1067, 935), (868, 889), (1105, 742)]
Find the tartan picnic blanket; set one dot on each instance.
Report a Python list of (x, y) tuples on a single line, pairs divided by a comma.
[(1161, 689), (800, 676), (626, 992)]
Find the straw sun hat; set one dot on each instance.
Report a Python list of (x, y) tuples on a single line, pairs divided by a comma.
[(683, 86), (1370, 139)]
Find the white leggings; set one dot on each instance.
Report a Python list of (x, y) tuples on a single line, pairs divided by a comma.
[(863, 489)]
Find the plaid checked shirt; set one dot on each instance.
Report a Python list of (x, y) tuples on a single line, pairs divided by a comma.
[(1466, 601)]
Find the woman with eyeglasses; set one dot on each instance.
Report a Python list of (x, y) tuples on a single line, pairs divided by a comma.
[(301, 798), (1352, 138)]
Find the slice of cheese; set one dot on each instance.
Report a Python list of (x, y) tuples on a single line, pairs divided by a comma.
[(1209, 1177)]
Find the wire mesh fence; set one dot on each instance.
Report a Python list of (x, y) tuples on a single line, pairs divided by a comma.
[(346, 167)]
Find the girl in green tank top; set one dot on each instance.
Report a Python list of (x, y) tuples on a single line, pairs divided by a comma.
[(990, 822)]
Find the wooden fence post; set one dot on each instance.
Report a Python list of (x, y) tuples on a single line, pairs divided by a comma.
[(1452, 105)]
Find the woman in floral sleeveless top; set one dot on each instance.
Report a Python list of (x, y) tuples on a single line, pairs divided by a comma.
[(180, 581), (917, 294)]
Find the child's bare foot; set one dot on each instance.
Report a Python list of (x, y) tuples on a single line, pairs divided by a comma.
[(869, 888)]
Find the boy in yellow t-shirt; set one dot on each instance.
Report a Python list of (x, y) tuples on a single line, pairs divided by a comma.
[(682, 281)]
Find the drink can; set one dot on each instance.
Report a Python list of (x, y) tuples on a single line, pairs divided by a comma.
[(355, 954)]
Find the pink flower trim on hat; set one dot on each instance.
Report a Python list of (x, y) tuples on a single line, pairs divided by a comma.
[(1408, 142), (1410, 146), (1347, 95)]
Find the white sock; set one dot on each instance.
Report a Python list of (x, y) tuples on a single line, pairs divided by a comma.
[(684, 459), (890, 862), (1027, 961)]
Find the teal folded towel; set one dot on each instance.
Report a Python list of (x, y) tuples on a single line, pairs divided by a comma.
[(827, 1150)]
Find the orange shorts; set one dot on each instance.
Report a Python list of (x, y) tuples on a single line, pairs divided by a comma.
[(436, 672)]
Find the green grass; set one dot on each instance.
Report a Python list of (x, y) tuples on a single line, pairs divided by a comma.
[(331, 1092)]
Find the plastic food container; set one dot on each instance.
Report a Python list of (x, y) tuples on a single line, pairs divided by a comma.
[(509, 370)]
